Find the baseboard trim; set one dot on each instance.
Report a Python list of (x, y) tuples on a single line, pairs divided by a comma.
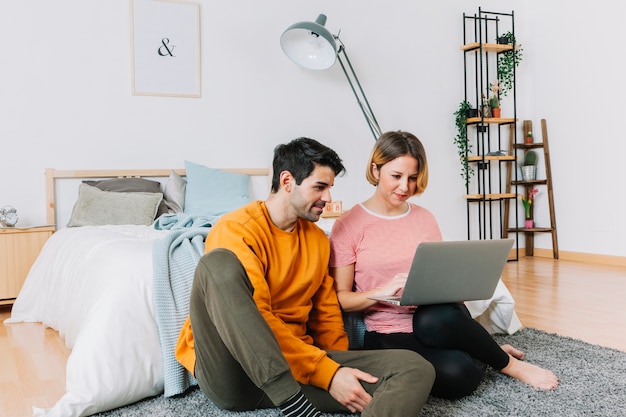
[(581, 257)]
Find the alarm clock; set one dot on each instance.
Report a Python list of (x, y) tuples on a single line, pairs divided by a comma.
[(8, 216)]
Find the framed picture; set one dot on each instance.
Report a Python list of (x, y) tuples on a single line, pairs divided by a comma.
[(165, 48)]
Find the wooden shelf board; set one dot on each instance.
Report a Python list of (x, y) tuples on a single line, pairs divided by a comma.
[(522, 182), (479, 158), (532, 230), (487, 47), (481, 197), (490, 120), (528, 145)]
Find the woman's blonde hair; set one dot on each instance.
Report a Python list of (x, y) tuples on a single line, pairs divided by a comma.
[(391, 145)]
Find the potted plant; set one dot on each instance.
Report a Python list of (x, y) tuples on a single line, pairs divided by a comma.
[(461, 141), (507, 62), (494, 103), (528, 138), (528, 202), (502, 40), (494, 99), (529, 169)]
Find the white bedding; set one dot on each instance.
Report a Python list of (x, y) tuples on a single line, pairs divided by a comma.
[(101, 302)]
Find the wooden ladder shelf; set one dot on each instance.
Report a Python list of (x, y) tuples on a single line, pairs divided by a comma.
[(528, 185)]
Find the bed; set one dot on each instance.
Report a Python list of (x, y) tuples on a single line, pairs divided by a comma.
[(116, 283), (104, 283)]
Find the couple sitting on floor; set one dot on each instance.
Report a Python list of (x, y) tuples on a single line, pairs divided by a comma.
[(265, 327)]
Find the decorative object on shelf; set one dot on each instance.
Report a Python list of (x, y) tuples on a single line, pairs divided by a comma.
[(8, 216), (529, 223), (528, 202), (494, 103), (494, 99), (486, 109), (529, 169), (461, 141), (528, 138), (529, 172), (507, 62), (502, 40), (312, 46), (333, 209)]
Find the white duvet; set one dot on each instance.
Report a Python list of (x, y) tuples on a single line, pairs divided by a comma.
[(94, 285)]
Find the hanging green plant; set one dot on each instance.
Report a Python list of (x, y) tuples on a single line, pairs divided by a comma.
[(507, 62), (462, 143)]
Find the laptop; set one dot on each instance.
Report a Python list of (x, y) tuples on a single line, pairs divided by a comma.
[(453, 271)]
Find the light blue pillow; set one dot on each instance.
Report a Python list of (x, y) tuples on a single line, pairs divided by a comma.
[(211, 192)]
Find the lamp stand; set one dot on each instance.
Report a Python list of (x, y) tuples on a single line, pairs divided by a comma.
[(359, 94)]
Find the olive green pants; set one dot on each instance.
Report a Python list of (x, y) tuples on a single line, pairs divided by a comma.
[(239, 364)]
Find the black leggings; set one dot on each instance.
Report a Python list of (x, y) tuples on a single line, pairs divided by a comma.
[(457, 346)]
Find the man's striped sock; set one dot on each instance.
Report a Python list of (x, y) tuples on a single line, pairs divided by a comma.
[(299, 406)]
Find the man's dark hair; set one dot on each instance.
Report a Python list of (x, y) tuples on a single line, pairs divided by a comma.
[(300, 157)]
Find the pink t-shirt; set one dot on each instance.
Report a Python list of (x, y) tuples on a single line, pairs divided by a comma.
[(380, 247)]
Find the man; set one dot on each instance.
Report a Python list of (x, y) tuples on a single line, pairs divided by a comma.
[(267, 327)]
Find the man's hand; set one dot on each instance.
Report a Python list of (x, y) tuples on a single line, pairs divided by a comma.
[(348, 391)]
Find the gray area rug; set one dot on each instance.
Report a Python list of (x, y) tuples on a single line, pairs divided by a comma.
[(592, 382)]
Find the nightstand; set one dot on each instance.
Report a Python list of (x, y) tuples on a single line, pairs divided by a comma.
[(19, 247)]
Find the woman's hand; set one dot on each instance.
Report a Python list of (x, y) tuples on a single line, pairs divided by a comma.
[(350, 300), (394, 286)]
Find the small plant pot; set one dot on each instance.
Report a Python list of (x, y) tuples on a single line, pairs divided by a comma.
[(503, 40), (472, 113), (495, 112), (529, 223), (528, 139), (529, 172)]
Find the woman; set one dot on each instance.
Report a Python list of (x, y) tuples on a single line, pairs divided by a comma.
[(372, 246)]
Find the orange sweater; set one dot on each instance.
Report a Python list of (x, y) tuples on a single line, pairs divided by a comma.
[(292, 289)]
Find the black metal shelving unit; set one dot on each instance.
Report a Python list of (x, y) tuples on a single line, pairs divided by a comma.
[(495, 166)]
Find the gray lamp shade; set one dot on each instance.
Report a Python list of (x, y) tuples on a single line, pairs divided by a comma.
[(310, 44)]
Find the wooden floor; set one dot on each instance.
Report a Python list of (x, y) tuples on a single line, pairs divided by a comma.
[(576, 299)]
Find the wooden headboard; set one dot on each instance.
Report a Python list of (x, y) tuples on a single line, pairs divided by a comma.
[(52, 175)]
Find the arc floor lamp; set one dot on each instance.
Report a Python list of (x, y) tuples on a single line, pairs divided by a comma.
[(312, 46)]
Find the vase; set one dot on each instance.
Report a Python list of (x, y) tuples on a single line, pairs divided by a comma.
[(495, 112), (529, 223), (529, 172)]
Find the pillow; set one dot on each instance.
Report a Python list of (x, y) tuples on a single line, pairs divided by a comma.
[(130, 185), (174, 193), (95, 207), (211, 192)]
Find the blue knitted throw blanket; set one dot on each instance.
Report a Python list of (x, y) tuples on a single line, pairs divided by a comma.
[(174, 260)]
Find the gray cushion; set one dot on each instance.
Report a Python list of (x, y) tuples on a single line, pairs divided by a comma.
[(174, 193), (130, 185), (95, 207)]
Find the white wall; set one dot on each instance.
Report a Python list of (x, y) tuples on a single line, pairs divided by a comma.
[(65, 98)]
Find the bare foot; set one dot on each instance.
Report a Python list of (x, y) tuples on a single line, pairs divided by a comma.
[(517, 354), (530, 374)]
